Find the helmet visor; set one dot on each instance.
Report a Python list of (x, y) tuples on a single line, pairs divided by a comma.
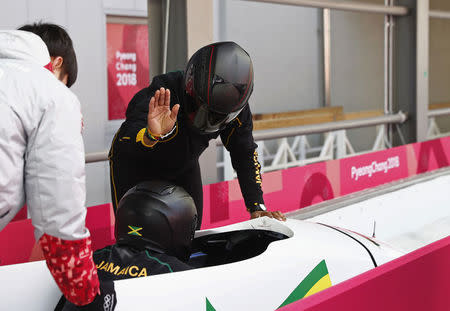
[(208, 121)]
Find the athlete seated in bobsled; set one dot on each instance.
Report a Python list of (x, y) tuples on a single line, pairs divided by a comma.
[(155, 226)]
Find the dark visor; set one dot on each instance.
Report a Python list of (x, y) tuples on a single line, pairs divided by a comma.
[(208, 121)]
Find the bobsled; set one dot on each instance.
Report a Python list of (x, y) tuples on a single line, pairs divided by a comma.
[(260, 264)]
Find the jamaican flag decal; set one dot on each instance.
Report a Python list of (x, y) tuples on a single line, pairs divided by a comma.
[(209, 306), (135, 230), (318, 279)]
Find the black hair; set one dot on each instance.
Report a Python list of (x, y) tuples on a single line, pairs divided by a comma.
[(59, 44)]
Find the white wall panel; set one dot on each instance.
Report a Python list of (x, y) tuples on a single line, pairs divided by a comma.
[(357, 62), (91, 86), (86, 22), (48, 11), (13, 14), (283, 42), (140, 5), (357, 67), (119, 4)]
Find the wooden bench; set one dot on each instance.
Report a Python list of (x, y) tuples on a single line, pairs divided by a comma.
[(361, 114), (439, 106), (296, 118), (316, 116)]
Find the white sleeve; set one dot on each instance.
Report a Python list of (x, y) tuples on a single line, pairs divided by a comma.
[(55, 170)]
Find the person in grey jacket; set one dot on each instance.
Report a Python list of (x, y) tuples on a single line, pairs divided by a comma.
[(42, 163)]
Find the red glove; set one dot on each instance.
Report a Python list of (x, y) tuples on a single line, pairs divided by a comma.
[(72, 267)]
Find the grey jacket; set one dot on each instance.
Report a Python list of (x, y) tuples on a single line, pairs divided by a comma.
[(41, 147)]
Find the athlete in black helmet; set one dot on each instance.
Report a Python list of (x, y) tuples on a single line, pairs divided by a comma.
[(155, 226), (169, 124), (157, 218), (219, 79)]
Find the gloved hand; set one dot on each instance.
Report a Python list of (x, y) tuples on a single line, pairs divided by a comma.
[(277, 215), (105, 301)]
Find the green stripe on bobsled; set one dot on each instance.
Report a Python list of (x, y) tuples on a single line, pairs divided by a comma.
[(308, 282)]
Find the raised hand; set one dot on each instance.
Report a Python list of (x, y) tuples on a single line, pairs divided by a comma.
[(160, 119)]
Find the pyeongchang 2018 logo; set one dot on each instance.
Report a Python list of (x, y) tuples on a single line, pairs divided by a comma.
[(375, 167)]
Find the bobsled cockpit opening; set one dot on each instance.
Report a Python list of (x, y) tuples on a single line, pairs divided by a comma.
[(232, 246)]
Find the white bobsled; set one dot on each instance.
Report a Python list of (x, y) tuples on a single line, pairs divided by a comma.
[(260, 264)]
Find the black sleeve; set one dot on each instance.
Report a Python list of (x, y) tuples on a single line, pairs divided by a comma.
[(130, 135), (238, 140), (61, 303)]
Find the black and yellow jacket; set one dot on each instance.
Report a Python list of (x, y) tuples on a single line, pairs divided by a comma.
[(180, 152), (119, 262), (116, 262)]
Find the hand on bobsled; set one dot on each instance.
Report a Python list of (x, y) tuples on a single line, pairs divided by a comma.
[(105, 301), (277, 215), (160, 119)]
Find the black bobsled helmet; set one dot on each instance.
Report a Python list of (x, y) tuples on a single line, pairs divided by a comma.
[(159, 216), (219, 79)]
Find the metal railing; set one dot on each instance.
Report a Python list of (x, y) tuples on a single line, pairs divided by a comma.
[(299, 151), (439, 14), (344, 6), (397, 118), (434, 131), (96, 157), (438, 112)]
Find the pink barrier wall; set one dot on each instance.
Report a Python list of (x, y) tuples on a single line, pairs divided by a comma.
[(17, 243), (417, 281), (298, 187), (285, 190)]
